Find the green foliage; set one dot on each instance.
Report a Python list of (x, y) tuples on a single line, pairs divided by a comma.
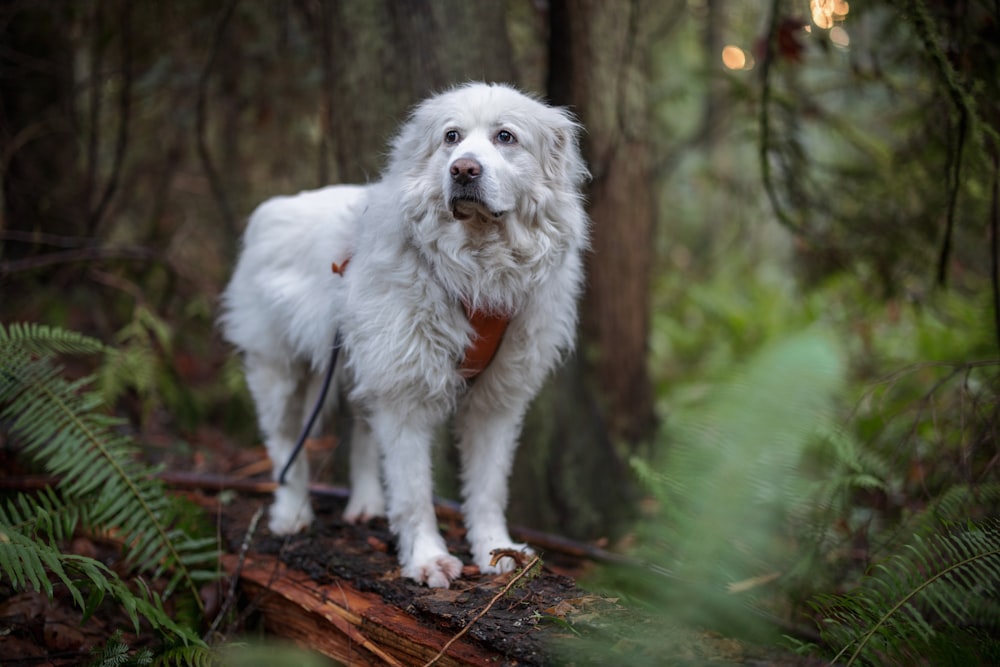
[(116, 653), (102, 487), (932, 601), (731, 485), (134, 362), (889, 456)]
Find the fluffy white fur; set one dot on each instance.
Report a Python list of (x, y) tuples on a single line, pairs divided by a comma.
[(480, 203)]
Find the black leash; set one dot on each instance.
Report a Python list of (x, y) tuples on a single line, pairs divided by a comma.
[(337, 343)]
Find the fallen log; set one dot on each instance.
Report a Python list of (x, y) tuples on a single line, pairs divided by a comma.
[(341, 622), (446, 509), (338, 590)]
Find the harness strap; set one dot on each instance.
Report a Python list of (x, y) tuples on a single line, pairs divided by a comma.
[(488, 330)]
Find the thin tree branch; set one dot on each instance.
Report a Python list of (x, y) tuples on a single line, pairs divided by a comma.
[(86, 254), (234, 580), (124, 113), (764, 120), (214, 181), (961, 98), (96, 65), (954, 187), (995, 243)]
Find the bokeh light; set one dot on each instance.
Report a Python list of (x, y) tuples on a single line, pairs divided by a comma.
[(827, 13), (735, 58)]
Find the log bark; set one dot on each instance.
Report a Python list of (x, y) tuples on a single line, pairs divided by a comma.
[(341, 622), (338, 590)]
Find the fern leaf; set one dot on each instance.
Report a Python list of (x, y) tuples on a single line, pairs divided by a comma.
[(56, 422), (113, 654), (187, 656), (731, 473), (42, 340), (921, 600)]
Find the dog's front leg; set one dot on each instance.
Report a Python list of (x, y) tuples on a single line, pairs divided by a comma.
[(487, 441), (404, 438)]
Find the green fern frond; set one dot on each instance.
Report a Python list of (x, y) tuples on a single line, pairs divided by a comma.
[(929, 598), (187, 656), (959, 502), (42, 340), (138, 361), (116, 653), (103, 486), (30, 562), (733, 468), (57, 422), (43, 513), (731, 485)]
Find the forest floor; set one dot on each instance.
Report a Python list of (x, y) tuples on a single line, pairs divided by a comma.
[(337, 591)]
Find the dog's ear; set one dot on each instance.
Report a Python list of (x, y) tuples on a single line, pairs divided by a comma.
[(419, 136), (415, 142), (561, 158)]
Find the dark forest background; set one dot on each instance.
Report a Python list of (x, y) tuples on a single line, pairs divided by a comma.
[(787, 364)]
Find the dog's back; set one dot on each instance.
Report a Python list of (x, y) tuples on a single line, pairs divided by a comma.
[(284, 274)]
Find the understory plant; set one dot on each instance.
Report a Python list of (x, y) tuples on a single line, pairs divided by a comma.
[(99, 487), (933, 602), (796, 496)]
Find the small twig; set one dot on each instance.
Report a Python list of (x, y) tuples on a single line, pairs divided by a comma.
[(42, 238), (235, 578), (86, 254), (503, 591)]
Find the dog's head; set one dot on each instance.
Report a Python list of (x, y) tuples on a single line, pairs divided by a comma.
[(490, 184), (489, 148)]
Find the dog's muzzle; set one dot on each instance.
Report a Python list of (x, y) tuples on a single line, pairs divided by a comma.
[(467, 198)]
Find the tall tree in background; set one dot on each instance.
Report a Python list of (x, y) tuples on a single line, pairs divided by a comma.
[(385, 56), (601, 402), (600, 66)]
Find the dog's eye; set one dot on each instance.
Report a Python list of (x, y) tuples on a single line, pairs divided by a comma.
[(506, 137), (451, 137)]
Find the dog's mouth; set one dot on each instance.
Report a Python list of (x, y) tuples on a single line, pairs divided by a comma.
[(467, 208)]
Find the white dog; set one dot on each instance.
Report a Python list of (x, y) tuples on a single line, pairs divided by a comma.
[(477, 218)]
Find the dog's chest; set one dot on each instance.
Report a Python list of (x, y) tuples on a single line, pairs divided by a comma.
[(471, 336)]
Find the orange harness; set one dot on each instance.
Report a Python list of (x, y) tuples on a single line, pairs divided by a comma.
[(488, 328)]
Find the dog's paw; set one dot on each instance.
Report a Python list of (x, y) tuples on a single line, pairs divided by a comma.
[(436, 571), (286, 524), (289, 514), (491, 560), (363, 507)]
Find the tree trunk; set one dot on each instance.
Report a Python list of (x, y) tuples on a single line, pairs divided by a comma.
[(599, 67), (570, 475), (388, 55)]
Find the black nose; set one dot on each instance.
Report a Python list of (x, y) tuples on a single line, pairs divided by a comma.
[(464, 170)]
